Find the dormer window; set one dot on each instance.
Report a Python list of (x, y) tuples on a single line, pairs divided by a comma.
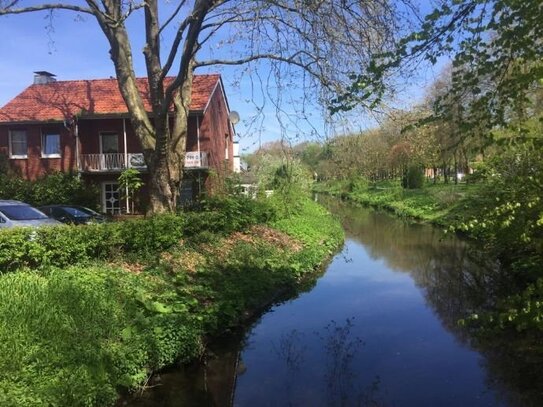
[(18, 147), (50, 145)]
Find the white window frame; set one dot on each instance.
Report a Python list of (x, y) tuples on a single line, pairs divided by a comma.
[(103, 193), (17, 156), (50, 133)]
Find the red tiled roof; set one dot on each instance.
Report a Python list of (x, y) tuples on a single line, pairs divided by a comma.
[(63, 99)]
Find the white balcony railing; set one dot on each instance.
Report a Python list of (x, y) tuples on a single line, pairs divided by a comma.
[(113, 162), (195, 159)]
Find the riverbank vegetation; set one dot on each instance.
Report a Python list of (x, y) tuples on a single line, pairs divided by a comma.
[(87, 311)]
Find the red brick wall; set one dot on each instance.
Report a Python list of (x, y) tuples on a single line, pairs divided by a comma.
[(214, 131), (35, 166)]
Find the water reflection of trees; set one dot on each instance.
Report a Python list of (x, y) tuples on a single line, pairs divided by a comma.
[(457, 281), (342, 384)]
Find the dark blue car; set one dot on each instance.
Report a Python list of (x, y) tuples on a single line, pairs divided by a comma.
[(72, 214)]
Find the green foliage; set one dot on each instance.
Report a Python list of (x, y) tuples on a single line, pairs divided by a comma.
[(279, 169), (503, 210), (413, 178), (130, 179), (521, 311), (5, 168), (319, 232), (66, 245), (54, 188), (436, 203), (129, 183), (510, 203), (497, 59), (137, 239), (72, 337), (224, 215)]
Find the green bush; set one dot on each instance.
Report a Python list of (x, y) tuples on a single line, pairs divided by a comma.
[(54, 188), (413, 178), (66, 245), (225, 215), (138, 239)]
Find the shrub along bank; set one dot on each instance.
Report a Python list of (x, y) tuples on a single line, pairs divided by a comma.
[(74, 336)]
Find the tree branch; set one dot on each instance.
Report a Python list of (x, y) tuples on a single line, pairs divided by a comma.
[(288, 60), (175, 46), (53, 6), (201, 8), (174, 14)]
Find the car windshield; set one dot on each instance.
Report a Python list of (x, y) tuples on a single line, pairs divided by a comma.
[(21, 212), (88, 211), (76, 212)]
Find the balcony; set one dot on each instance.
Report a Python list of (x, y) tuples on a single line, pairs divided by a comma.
[(115, 162), (112, 162)]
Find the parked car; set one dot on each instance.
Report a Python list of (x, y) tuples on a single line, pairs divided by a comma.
[(16, 213), (73, 214)]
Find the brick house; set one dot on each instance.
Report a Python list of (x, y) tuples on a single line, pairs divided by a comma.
[(83, 126)]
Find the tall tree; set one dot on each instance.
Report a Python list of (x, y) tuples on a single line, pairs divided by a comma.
[(323, 40)]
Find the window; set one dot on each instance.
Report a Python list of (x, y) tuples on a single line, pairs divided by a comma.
[(226, 148), (17, 144), (50, 145), (109, 143), (111, 198)]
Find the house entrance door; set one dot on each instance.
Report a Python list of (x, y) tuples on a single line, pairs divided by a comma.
[(111, 199)]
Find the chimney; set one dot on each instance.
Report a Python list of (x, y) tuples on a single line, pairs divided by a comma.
[(43, 77)]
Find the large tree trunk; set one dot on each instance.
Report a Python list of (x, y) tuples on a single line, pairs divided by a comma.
[(164, 147), (166, 162), (165, 177)]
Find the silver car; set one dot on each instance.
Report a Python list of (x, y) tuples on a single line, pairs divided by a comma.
[(16, 213)]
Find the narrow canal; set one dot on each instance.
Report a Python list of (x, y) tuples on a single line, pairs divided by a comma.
[(379, 328)]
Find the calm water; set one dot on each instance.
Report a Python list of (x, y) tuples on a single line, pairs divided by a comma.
[(377, 329)]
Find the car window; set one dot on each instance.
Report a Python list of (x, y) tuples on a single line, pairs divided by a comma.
[(21, 212), (75, 212), (47, 211), (57, 212), (88, 211)]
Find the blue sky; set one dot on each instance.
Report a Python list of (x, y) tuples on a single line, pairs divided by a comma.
[(73, 47)]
